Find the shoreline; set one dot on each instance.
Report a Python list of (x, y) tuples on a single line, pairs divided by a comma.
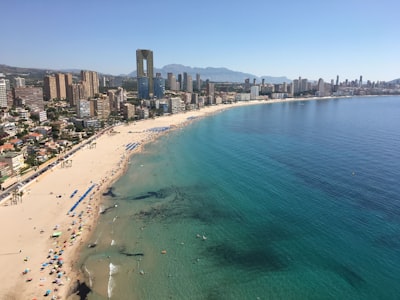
[(46, 202)]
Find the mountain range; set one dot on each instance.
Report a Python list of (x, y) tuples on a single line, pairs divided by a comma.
[(214, 74)]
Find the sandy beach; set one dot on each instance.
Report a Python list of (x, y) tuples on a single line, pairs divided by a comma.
[(34, 263)]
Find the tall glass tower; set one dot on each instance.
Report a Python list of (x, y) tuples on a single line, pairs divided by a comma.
[(143, 88), (144, 66)]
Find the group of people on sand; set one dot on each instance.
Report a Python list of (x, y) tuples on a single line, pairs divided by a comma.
[(53, 264)]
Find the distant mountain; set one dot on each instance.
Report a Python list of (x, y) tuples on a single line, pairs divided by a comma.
[(9, 70), (395, 81), (214, 74), (32, 72)]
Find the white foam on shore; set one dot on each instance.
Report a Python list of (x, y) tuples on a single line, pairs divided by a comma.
[(111, 282), (90, 276), (112, 242)]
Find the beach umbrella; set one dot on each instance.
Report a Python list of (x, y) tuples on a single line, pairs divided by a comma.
[(47, 292), (56, 234)]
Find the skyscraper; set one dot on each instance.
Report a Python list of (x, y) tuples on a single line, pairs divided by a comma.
[(210, 91), (49, 87), (247, 85), (198, 82), (77, 92), (171, 82), (3, 94), (180, 81), (303, 85), (143, 87), (159, 86), (145, 58), (321, 87), (68, 86), (90, 81), (189, 84), (60, 83)]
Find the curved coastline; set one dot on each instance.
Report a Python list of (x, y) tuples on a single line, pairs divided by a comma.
[(27, 226)]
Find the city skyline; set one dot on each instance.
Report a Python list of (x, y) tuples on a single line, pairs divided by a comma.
[(308, 39)]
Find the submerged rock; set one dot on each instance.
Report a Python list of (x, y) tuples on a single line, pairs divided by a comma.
[(80, 289)]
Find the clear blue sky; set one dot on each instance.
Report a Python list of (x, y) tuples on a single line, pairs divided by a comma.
[(309, 38)]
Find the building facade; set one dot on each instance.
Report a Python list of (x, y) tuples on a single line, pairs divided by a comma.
[(60, 84), (3, 94), (90, 81), (83, 108), (68, 86), (159, 87), (143, 88), (49, 87)]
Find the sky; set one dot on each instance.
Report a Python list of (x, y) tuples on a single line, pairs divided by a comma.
[(310, 38)]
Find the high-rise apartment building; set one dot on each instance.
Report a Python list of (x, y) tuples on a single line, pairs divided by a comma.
[(180, 82), (90, 80), (185, 81), (159, 86), (169, 79), (3, 94), (83, 108), (60, 84), (254, 92), (210, 92), (247, 85), (172, 82), (198, 82), (49, 87), (128, 111), (144, 66), (78, 92), (189, 84), (68, 86), (143, 88), (304, 85), (321, 88), (102, 107)]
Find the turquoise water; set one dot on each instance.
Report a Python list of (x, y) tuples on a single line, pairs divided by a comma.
[(296, 200)]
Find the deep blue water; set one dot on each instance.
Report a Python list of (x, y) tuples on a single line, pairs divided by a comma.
[(296, 200)]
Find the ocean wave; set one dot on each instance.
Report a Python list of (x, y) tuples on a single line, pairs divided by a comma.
[(111, 281)]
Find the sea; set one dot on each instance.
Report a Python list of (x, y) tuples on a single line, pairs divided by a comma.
[(291, 200)]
